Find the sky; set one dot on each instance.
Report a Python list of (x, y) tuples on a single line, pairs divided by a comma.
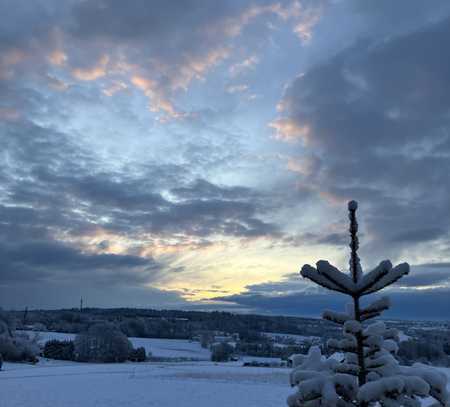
[(194, 154)]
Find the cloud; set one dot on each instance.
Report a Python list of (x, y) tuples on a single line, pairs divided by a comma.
[(61, 189), (178, 43), (58, 57), (288, 284), (289, 130), (379, 129), (88, 74), (123, 138), (51, 295), (419, 234), (237, 88), (157, 99), (303, 28), (428, 275), (414, 296), (206, 189), (65, 219), (34, 260), (170, 46), (404, 305), (242, 66)]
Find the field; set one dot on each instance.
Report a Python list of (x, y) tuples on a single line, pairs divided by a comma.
[(189, 384), (195, 384), (199, 384)]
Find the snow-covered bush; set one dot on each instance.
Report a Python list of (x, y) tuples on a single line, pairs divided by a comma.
[(102, 343), (59, 350), (138, 355), (221, 352), (369, 373), (16, 347)]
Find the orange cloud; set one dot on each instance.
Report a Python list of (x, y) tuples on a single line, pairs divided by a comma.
[(91, 74), (157, 101), (115, 87), (304, 18), (289, 130), (304, 27), (178, 77), (196, 67), (57, 58)]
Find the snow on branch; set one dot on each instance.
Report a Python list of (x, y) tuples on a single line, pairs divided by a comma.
[(375, 308), (435, 379), (336, 317), (374, 276), (312, 274), (319, 385), (337, 277), (391, 277), (393, 387)]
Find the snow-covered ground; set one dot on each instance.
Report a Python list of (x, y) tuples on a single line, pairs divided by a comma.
[(197, 384), (190, 384), (165, 348), (194, 384), (298, 339)]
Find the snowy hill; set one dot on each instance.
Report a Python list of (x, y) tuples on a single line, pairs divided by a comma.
[(164, 348)]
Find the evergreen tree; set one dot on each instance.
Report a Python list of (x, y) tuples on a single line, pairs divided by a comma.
[(369, 373)]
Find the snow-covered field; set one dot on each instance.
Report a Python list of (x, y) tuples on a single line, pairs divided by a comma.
[(188, 384), (295, 338), (197, 384), (194, 384), (166, 348), (202, 383)]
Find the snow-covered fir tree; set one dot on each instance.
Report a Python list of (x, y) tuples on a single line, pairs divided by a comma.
[(369, 374)]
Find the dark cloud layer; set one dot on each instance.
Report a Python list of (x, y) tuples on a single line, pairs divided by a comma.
[(311, 304), (53, 256), (377, 116), (425, 286)]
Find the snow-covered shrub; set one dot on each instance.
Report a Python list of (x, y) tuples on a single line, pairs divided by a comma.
[(369, 373), (137, 355), (59, 350), (221, 352), (102, 343), (16, 347)]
